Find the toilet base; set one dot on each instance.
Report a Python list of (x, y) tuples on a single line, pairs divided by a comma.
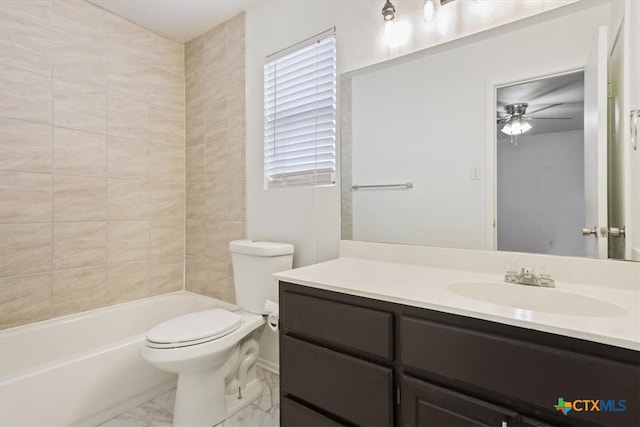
[(250, 393)]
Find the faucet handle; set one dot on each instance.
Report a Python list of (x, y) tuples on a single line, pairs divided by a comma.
[(527, 271)]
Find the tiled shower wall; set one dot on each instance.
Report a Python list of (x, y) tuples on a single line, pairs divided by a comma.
[(215, 156), (92, 177)]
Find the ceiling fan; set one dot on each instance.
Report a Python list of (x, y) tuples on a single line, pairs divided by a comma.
[(516, 120)]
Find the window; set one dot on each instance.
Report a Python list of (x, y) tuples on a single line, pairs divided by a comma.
[(300, 114)]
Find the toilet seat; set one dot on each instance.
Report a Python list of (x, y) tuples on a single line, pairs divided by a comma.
[(193, 328)]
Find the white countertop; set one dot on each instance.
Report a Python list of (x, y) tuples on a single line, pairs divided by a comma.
[(426, 287)]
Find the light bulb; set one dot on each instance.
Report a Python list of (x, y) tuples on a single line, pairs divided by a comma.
[(429, 10), (388, 30), (506, 128), (396, 34)]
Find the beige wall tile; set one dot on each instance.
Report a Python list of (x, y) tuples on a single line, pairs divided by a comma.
[(24, 299), (236, 125), (127, 158), (215, 44), (210, 278), (196, 201), (194, 163), (128, 38), (127, 76), (196, 89), (79, 198), (216, 121), (216, 159), (79, 153), (25, 197), (79, 18), (167, 125), (25, 249), (78, 290), (127, 281), (25, 95), (166, 88), (79, 59), (167, 162), (167, 200), (195, 237), (79, 244), (194, 118), (195, 274), (127, 199), (167, 54), (25, 12), (79, 106), (25, 45), (167, 238), (194, 55), (216, 236), (127, 118), (25, 146), (166, 275), (237, 153), (127, 241), (216, 198)]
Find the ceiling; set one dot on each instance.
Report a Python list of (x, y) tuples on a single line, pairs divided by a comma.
[(566, 89), (180, 20)]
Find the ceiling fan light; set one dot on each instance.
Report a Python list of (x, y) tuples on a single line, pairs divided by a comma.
[(525, 126), (506, 128)]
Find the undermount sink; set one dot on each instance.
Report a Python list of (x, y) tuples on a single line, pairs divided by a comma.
[(536, 299)]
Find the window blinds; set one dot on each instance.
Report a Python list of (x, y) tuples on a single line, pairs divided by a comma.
[(300, 114)]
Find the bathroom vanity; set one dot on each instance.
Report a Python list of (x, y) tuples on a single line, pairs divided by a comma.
[(371, 343)]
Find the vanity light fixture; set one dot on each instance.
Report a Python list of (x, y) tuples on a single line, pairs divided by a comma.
[(430, 9), (388, 11), (395, 34), (388, 14)]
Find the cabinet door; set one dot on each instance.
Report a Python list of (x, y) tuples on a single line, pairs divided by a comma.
[(351, 389), (529, 422), (426, 405), (293, 414)]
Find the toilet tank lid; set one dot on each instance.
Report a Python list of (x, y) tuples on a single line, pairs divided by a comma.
[(260, 248)]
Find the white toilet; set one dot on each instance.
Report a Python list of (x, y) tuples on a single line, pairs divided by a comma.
[(214, 351)]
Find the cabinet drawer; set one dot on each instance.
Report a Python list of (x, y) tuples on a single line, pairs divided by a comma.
[(514, 368), (357, 391), (427, 405), (337, 324), (293, 414)]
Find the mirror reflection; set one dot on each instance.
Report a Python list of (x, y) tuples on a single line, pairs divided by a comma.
[(511, 139)]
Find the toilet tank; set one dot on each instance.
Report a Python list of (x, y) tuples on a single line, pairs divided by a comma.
[(254, 263)]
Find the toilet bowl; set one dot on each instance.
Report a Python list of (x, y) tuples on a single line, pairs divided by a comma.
[(214, 351)]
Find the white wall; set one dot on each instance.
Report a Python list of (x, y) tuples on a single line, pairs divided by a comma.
[(310, 218), (426, 121), (541, 194), (634, 103)]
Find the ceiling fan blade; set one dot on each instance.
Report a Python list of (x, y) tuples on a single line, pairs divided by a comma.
[(545, 107), (549, 118)]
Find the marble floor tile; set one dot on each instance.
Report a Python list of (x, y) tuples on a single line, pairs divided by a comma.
[(264, 412)]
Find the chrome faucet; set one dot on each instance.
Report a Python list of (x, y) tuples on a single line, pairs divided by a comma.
[(527, 276)]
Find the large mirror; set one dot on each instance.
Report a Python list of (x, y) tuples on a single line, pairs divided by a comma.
[(513, 139)]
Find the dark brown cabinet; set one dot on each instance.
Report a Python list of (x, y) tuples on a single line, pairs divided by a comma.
[(427, 405), (348, 360)]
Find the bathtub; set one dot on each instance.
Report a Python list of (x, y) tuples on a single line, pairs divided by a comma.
[(85, 368)]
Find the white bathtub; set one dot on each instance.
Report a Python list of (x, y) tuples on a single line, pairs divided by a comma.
[(86, 368)]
